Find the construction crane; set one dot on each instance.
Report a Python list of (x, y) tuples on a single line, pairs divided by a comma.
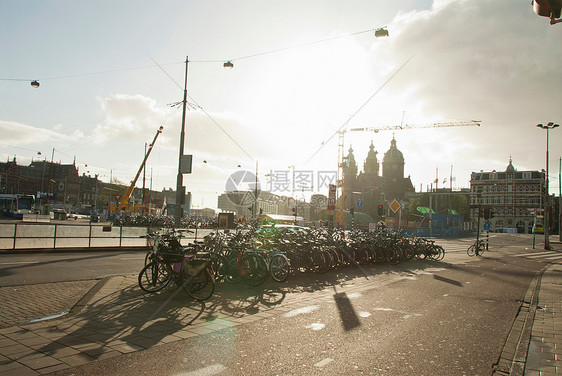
[(340, 183), (123, 201), (407, 126)]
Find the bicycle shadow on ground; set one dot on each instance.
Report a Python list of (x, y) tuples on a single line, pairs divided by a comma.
[(129, 319), (125, 321)]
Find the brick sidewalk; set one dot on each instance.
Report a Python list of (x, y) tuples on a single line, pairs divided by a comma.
[(545, 349), (29, 302)]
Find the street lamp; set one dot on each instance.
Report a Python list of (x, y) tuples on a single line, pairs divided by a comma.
[(549, 126)]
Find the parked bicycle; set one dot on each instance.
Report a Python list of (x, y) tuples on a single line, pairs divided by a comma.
[(166, 262), (477, 248)]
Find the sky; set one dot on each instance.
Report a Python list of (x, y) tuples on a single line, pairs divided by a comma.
[(110, 73)]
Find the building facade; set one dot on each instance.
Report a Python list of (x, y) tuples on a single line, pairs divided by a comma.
[(510, 198), (52, 184)]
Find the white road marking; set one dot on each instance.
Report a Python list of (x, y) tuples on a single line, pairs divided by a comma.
[(315, 326), (545, 254), (553, 257), (207, 371), (324, 362), (354, 295), (534, 254), (300, 311)]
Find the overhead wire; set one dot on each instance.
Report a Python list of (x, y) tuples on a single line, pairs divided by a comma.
[(160, 66), (204, 111), (359, 109)]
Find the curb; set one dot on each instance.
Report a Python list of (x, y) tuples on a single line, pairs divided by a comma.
[(79, 306), (514, 353)]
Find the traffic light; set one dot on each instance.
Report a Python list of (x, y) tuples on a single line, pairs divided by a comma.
[(380, 210), (294, 211), (486, 213), (352, 211)]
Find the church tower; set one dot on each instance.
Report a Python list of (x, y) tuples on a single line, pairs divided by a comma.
[(349, 166), (371, 164)]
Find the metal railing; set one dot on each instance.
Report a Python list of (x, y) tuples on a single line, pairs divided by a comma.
[(21, 235)]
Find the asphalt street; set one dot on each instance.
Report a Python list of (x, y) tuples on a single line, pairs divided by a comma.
[(450, 317)]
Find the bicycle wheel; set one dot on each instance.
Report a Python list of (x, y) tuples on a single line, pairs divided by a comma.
[(219, 265), (392, 256), (233, 271), (198, 281), (471, 251), (253, 269), (481, 249), (318, 262), (154, 276), (279, 267), (441, 254)]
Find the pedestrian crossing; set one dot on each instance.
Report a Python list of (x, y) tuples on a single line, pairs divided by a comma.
[(538, 255)]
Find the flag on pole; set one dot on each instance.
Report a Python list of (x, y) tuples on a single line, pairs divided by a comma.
[(436, 181)]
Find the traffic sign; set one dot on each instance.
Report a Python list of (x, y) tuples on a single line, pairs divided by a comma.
[(359, 203), (395, 206), (487, 226)]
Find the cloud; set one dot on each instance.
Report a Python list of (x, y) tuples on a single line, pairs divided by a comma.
[(128, 117), (17, 134), (474, 60)]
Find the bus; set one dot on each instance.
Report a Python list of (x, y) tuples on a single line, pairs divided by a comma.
[(538, 227), (16, 205)]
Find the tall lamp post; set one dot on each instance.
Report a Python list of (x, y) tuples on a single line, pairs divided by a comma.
[(549, 126), (179, 187)]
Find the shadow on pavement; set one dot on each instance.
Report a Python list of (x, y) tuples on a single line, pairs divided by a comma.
[(125, 319)]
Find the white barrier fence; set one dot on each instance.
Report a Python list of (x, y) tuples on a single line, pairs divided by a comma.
[(22, 235)]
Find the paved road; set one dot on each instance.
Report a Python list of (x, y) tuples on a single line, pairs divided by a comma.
[(43, 267), (451, 317)]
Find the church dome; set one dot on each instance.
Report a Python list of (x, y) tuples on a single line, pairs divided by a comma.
[(393, 155), (510, 167)]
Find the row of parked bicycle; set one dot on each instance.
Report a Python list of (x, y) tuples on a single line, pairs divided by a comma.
[(269, 252), (162, 221)]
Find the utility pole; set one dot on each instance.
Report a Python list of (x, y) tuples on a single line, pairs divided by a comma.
[(50, 177), (144, 185), (256, 204), (180, 194)]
